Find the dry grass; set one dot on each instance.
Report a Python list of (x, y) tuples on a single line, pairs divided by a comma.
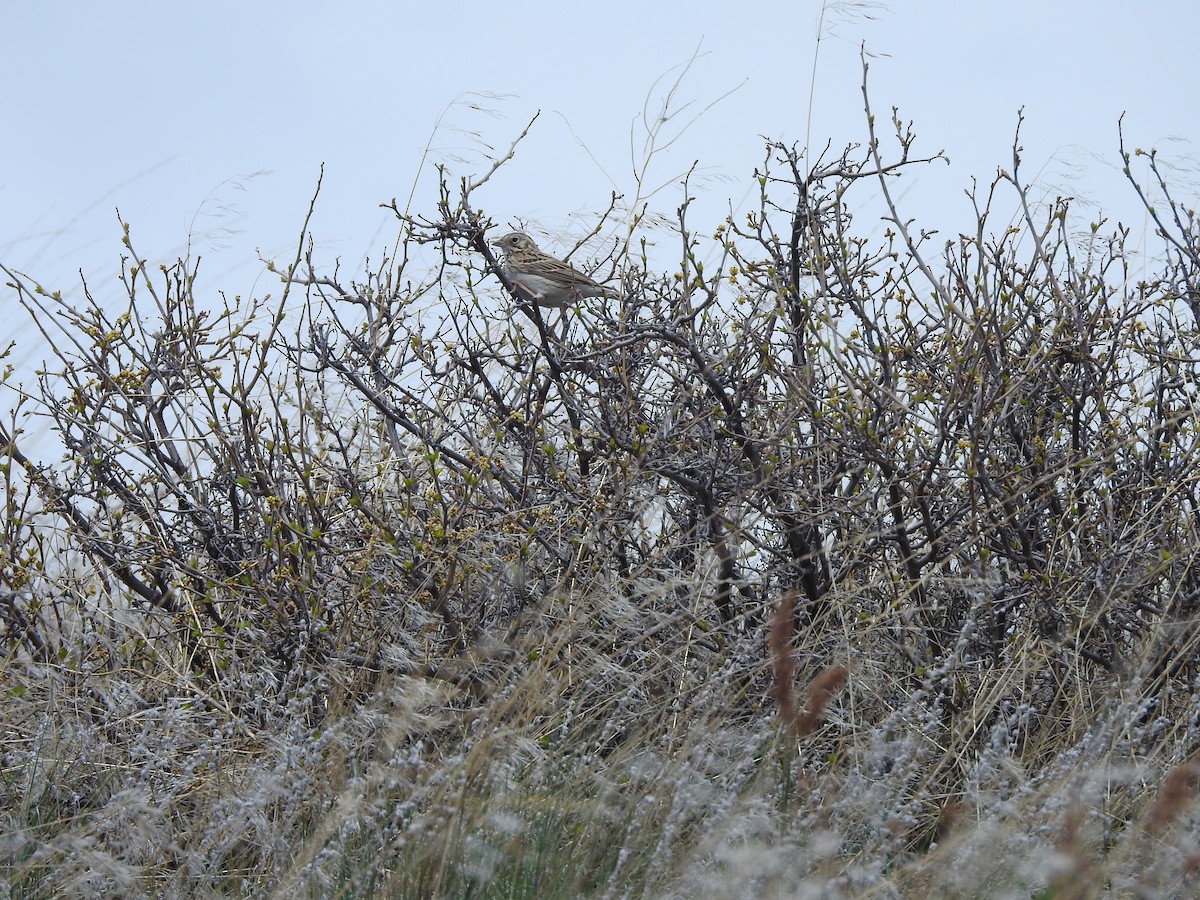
[(583, 768)]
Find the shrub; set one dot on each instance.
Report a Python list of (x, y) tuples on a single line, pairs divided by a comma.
[(397, 594)]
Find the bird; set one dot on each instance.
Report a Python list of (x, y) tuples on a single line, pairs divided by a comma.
[(549, 282)]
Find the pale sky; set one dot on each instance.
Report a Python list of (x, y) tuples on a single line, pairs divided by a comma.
[(212, 119)]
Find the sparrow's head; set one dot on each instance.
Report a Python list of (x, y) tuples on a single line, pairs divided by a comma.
[(515, 241)]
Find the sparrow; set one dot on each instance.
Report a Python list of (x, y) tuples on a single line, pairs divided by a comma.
[(549, 282)]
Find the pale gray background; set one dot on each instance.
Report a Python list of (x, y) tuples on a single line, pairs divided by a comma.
[(210, 120)]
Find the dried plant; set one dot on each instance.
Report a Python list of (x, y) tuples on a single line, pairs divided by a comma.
[(382, 587)]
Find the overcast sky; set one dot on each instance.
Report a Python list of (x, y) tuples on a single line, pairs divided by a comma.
[(209, 122)]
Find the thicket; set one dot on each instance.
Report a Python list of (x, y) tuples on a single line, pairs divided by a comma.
[(825, 563)]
